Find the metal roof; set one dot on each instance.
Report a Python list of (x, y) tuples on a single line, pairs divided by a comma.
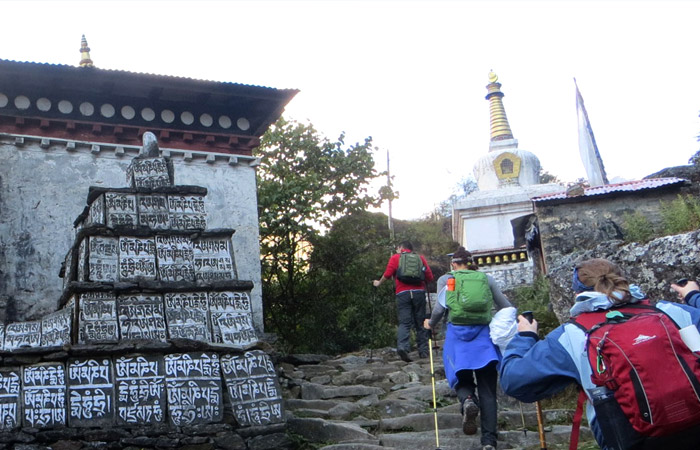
[(627, 186)]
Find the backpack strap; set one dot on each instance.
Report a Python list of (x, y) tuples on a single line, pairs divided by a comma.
[(576, 424), (589, 320)]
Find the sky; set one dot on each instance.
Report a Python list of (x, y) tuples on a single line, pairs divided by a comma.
[(413, 74)]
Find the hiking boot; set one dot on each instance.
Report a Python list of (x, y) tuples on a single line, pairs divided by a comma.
[(403, 354), (469, 413), (423, 355)]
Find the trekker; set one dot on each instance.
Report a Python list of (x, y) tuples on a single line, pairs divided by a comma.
[(468, 351), (613, 332), (411, 272)]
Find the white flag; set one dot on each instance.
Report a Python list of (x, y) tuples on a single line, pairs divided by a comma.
[(587, 146)]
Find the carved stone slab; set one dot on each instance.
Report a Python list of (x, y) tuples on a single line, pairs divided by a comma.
[(82, 271), (2, 336), (97, 318), (153, 211), (90, 392), (187, 212), (231, 318), (22, 335), (141, 317), (97, 211), (148, 173), (120, 209), (44, 395), (213, 260), (10, 387), (175, 258), (103, 258), (137, 258), (140, 389), (253, 388), (194, 388), (187, 315), (56, 328)]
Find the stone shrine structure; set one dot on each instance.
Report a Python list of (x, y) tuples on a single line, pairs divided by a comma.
[(63, 128), (155, 328), (491, 223)]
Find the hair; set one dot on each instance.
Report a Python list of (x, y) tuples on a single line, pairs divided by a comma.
[(463, 257), (605, 277), (407, 245)]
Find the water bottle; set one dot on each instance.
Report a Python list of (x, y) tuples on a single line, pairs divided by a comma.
[(450, 284), (616, 428)]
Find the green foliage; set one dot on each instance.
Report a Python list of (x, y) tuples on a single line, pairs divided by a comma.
[(546, 177), (695, 159), (304, 183), (681, 215), (637, 227), (535, 298)]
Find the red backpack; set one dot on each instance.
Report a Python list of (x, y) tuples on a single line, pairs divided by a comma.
[(648, 380)]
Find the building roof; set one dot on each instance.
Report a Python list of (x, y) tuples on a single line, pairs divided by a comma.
[(217, 111), (612, 189)]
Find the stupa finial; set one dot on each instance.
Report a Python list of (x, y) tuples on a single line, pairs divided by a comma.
[(85, 60), (500, 129)]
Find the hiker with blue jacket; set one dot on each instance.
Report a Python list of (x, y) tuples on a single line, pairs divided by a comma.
[(638, 373), (411, 272), (468, 296)]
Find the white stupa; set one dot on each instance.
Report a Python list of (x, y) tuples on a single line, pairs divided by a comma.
[(508, 178)]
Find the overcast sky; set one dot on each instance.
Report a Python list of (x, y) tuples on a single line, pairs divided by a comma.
[(412, 74)]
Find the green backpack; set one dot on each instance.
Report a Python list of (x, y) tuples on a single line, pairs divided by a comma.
[(471, 301), (411, 269)]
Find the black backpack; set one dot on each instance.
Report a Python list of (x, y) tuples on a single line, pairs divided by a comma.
[(411, 269)]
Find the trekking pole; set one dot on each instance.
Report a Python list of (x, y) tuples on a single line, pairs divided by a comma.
[(432, 376), (529, 315)]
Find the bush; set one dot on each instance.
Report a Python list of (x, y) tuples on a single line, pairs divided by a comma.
[(681, 215), (637, 227), (535, 298)]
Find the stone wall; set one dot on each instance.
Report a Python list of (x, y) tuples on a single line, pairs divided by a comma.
[(45, 188), (653, 266)]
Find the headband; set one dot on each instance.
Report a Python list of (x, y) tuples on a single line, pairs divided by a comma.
[(577, 286)]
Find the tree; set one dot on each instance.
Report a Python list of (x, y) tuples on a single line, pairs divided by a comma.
[(546, 177), (304, 181)]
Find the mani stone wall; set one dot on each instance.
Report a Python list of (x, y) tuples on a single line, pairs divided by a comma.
[(42, 190), (154, 343)]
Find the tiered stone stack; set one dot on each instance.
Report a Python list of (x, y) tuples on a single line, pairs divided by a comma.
[(143, 278)]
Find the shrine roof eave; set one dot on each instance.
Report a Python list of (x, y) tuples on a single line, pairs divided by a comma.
[(261, 105)]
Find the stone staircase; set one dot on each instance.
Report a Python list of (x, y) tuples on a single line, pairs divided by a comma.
[(373, 400)]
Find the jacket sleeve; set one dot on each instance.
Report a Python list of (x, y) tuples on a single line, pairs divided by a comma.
[(693, 299), (498, 298), (391, 266), (532, 370)]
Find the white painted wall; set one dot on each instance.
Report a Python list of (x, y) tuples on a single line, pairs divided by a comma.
[(43, 190)]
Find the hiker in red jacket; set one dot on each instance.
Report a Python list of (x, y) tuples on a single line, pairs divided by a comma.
[(410, 297)]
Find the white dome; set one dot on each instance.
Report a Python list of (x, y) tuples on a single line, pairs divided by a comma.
[(506, 166)]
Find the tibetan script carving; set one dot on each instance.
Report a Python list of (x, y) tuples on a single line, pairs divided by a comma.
[(44, 395), (148, 173), (153, 211), (251, 382), (175, 258), (56, 328), (97, 318), (141, 317), (90, 393), (22, 335), (194, 388), (187, 315), (120, 209), (97, 211), (10, 384), (137, 259), (231, 318), (103, 258), (213, 260), (140, 389)]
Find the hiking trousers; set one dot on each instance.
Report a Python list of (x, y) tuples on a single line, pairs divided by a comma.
[(486, 382), (411, 312)]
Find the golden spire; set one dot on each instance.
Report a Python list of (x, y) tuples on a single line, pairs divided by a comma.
[(500, 130), (85, 60)]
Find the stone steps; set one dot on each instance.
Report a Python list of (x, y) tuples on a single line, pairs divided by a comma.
[(354, 402)]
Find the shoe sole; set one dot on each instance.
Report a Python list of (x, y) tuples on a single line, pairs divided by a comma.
[(469, 420), (403, 355)]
